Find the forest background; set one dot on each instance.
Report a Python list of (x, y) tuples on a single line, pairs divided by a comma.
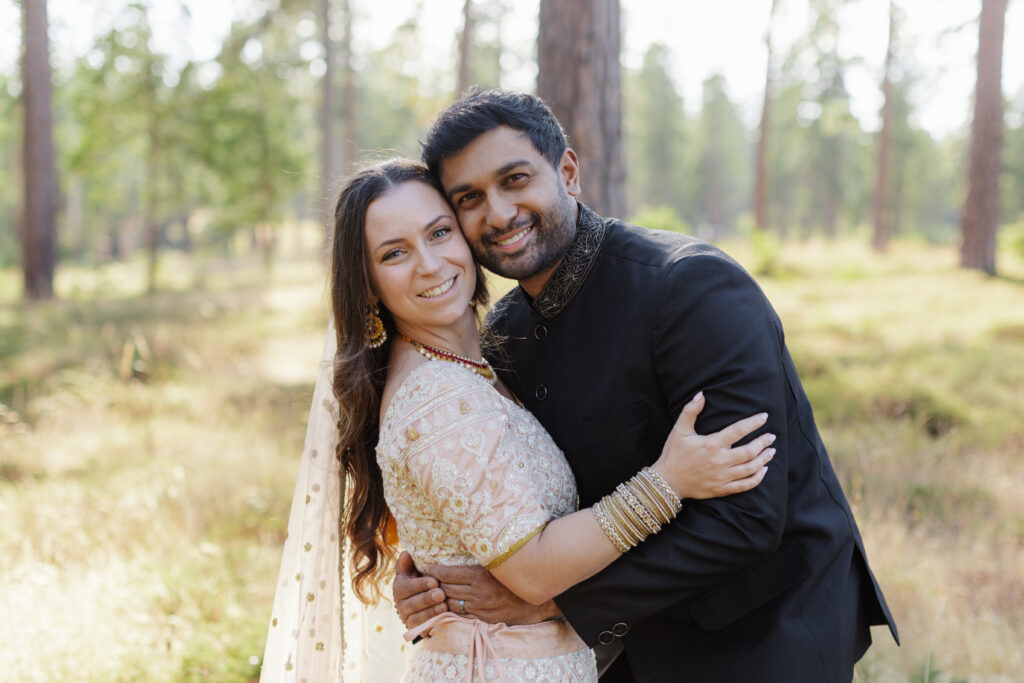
[(165, 172)]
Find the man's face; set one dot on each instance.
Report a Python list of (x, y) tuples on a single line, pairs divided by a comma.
[(516, 210)]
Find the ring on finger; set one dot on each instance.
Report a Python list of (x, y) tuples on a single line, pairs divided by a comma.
[(462, 606)]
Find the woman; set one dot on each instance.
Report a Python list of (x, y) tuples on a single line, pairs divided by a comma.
[(429, 435)]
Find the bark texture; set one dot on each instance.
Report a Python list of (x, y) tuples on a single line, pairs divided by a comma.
[(980, 220), (465, 48), (761, 162), (39, 200), (579, 77), (880, 238)]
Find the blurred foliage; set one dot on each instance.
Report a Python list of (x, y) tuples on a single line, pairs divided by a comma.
[(219, 154), (661, 217)]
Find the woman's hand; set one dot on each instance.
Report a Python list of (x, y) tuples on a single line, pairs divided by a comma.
[(698, 466)]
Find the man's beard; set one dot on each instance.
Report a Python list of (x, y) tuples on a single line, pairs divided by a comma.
[(553, 232)]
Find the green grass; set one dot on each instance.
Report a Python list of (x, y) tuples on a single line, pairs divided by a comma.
[(149, 446)]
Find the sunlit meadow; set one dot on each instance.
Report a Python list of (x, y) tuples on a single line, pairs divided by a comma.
[(149, 444)]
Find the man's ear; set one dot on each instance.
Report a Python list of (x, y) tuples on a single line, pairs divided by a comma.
[(569, 169)]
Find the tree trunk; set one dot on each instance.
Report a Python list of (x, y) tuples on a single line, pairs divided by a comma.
[(980, 219), (330, 155), (761, 164), (73, 217), (39, 200), (880, 240), (153, 234), (579, 77), (465, 48), (348, 163)]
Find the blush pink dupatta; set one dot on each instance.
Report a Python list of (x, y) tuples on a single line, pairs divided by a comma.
[(318, 631)]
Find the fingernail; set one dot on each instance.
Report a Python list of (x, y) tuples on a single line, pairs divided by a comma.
[(771, 453), (771, 439), (698, 396), (763, 416), (440, 608), (437, 596)]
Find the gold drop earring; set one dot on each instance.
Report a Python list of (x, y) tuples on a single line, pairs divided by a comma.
[(375, 335)]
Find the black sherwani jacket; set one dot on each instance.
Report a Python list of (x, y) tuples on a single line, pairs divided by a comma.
[(767, 585)]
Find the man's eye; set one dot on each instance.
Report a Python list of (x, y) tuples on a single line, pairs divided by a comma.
[(466, 198)]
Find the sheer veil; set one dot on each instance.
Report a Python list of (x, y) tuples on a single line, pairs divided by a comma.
[(319, 632)]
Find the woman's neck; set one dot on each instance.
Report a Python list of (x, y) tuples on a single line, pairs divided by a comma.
[(461, 338)]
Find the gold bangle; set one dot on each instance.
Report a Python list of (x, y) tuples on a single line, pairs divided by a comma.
[(667, 491), (640, 514), (611, 533), (654, 500), (632, 535)]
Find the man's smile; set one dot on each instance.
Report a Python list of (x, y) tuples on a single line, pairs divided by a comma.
[(515, 238)]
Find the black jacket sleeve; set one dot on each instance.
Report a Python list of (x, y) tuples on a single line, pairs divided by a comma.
[(713, 330)]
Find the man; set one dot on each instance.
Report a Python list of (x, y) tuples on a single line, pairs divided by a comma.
[(611, 330)]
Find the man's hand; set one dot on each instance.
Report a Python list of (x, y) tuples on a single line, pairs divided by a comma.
[(417, 597), (472, 591)]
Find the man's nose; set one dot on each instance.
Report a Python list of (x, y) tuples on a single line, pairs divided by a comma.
[(500, 211)]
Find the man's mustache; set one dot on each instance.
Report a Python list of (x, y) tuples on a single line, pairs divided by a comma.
[(515, 225)]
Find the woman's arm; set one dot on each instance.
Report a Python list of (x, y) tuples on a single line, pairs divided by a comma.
[(575, 547)]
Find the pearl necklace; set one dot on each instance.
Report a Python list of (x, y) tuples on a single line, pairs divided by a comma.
[(480, 367)]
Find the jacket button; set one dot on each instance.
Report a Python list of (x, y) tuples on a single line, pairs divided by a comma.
[(541, 393), (620, 629), (540, 333), (605, 637)]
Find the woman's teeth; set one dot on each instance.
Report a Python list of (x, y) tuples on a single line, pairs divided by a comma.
[(439, 290)]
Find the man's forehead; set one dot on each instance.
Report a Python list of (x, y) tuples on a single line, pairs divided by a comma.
[(492, 152)]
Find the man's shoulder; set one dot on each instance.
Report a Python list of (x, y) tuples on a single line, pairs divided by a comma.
[(664, 250)]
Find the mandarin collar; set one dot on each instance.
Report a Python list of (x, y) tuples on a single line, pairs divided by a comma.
[(572, 271)]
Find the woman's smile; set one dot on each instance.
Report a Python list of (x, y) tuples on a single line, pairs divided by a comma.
[(443, 288)]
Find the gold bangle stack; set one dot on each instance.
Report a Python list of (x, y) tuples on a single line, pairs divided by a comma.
[(636, 509)]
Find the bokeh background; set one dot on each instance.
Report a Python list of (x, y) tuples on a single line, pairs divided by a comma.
[(165, 172)]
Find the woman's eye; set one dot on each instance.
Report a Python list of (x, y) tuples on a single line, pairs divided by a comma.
[(440, 232), (391, 254)]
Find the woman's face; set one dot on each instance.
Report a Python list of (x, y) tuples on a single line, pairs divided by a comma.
[(420, 265)]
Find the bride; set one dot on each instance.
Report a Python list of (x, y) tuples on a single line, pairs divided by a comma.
[(442, 460)]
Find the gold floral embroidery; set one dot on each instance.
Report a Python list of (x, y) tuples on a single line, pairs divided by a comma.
[(476, 478)]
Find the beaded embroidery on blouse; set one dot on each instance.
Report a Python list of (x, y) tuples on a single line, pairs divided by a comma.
[(467, 473)]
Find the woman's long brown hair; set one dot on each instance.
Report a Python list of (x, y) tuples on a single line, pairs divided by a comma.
[(360, 372)]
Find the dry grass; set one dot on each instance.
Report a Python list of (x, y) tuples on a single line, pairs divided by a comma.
[(144, 492)]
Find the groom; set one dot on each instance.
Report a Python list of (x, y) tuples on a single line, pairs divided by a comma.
[(612, 329)]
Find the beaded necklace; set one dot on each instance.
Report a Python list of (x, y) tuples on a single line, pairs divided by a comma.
[(480, 367)]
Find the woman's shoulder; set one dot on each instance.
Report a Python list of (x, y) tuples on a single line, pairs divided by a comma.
[(434, 393)]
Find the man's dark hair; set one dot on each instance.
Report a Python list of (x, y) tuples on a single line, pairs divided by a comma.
[(479, 111)]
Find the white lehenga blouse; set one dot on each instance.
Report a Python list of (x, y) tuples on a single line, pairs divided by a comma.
[(470, 477)]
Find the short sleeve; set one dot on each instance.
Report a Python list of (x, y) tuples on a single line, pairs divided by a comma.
[(458, 448)]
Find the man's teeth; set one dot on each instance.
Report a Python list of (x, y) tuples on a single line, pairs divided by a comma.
[(439, 290), (514, 237)]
